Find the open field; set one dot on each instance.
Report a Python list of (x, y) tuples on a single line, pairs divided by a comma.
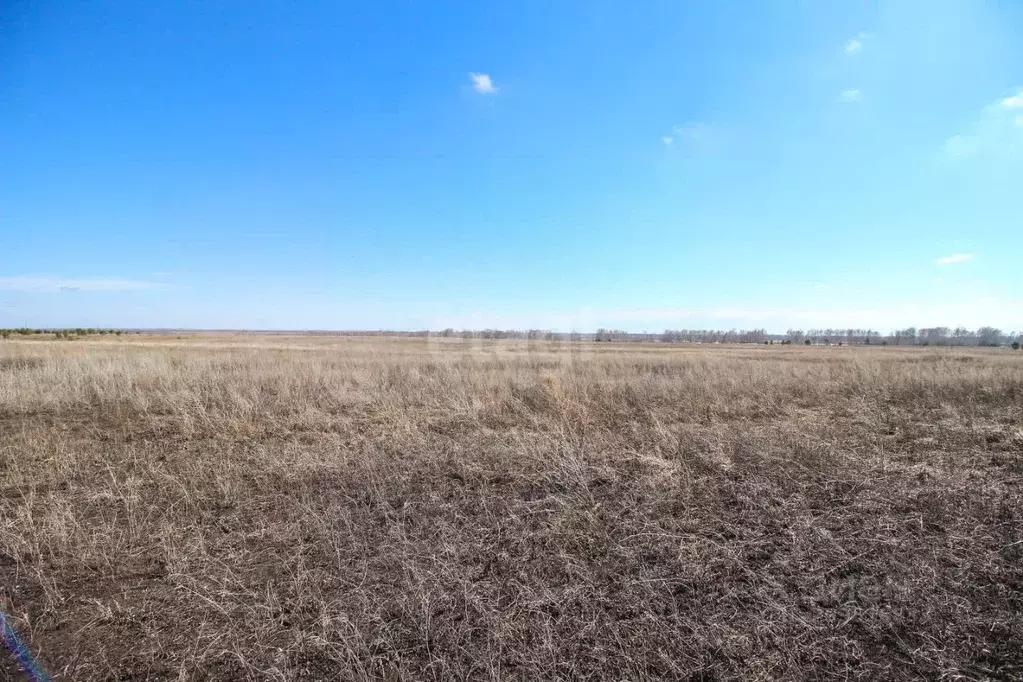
[(301, 508)]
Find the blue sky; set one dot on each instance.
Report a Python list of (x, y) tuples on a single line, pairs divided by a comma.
[(530, 164)]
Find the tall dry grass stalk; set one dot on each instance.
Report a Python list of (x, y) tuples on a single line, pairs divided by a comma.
[(299, 508)]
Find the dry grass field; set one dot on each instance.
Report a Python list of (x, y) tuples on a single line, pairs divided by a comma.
[(320, 508)]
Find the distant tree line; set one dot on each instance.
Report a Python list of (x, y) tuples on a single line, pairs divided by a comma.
[(58, 333), (530, 334), (714, 336), (910, 336)]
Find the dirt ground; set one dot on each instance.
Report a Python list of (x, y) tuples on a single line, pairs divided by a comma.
[(246, 507)]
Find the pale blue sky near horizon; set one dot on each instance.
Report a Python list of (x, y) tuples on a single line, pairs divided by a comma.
[(402, 165)]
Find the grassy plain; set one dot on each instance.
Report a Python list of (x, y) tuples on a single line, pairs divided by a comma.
[(258, 507)]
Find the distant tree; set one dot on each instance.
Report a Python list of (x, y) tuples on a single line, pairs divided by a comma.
[(961, 336), (936, 336), (989, 336), (905, 336)]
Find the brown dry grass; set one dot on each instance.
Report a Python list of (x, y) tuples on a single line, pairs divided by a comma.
[(305, 508)]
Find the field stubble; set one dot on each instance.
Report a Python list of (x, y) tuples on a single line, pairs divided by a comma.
[(299, 508)]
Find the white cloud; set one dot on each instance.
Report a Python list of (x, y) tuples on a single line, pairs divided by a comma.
[(693, 135), (483, 84), (956, 258), (996, 132), (693, 131), (849, 96), (1014, 102), (52, 284), (856, 44)]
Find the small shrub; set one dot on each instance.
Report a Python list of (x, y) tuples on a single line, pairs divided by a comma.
[(1015, 345)]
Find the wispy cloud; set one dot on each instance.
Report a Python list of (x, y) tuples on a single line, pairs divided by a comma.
[(959, 146), (693, 131), (1014, 101), (692, 134), (970, 311), (997, 131), (855, 45), (849, 96), (58, 284), (483, 84), (955, 258)]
